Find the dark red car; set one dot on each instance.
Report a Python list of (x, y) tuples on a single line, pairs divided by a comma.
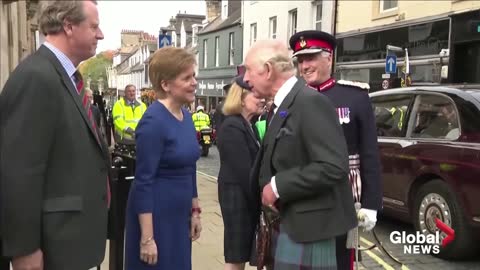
[(429, 140)]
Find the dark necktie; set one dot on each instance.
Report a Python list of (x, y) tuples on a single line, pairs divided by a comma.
[(270, 114), (86, 104)]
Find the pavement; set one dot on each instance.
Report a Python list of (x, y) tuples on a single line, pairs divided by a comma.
[(208, 250)]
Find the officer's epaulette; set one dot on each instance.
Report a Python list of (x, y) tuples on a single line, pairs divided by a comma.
[(354, 84)]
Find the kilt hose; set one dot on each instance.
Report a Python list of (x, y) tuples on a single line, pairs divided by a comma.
[(346, 256), (289, 255)]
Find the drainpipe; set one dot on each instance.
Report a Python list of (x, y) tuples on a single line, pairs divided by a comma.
[(334, 30)]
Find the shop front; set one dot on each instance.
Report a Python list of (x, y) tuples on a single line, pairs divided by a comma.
[(210, 92), (465, 48), (361, 56)]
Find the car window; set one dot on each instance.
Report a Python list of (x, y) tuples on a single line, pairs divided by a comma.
[(435, 117), (391, 114)]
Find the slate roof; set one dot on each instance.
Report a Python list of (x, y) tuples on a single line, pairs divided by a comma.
[(219, 24)]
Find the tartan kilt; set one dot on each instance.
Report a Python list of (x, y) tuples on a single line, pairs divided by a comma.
[(289, 255)]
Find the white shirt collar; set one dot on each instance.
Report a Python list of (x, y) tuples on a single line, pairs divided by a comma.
[(284, 91)]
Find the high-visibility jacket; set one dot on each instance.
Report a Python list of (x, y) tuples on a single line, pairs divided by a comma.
[(127, 116), (200, 120), (398, 114)]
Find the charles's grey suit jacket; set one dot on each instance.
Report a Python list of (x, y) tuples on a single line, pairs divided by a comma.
[(304, 148), (53, 171)]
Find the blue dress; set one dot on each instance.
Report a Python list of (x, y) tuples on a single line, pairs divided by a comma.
[(164, 185)]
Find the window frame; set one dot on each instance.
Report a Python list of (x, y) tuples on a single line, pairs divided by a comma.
[(292, 24), (271, 22), (231, 48), (382, 5), (316, 4), (205, 53), (217, 51), (146, 74), (253, 34)]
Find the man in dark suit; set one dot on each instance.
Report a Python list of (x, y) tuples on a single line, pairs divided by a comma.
[(303, 173), (314, 52), (97, 114), (54, 166)]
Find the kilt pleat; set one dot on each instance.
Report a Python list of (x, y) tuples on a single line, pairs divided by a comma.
[(289, 255)]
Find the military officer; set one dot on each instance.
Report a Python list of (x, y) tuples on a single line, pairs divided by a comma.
[(314, 52)]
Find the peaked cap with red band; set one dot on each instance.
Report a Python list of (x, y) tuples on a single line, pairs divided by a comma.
[(312, 41)]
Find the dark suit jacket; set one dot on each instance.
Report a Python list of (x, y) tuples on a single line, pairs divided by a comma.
[(218, 116), (238, 147), (53, 170), (96, 115), (304, 148)]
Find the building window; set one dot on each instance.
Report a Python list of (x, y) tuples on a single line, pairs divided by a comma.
[(194, 35), (231, 52), (205, 53), (224, 9), (146, 74), (292, 22), (253, 33), (387, 5), (217, 42), (272, 29), (318, 8)]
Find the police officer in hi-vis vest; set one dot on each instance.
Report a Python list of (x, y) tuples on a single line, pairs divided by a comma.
[(200, 118), (126, 113), (314, 53)]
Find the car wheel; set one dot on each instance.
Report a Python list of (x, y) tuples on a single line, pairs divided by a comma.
[(435, 200)]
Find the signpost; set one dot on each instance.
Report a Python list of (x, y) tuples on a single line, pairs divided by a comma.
[(164, 41), (391, 64)]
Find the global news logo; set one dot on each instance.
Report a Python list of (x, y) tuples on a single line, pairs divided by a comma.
[(420, 243), (417, 243)]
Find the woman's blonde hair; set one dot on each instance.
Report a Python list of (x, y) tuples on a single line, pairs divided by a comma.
[(166, 64), (233, 102)]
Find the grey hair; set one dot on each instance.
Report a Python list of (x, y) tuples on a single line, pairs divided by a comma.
[(130, 85), (276, 54), (53, 14), (325, 54), (88, 91)]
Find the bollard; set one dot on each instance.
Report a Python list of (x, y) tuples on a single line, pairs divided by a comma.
[(123, 171)]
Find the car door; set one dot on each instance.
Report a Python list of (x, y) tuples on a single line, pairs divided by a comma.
[(391, 114), (433, 132)]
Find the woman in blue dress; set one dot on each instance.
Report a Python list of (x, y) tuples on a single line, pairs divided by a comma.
[(163, 214)]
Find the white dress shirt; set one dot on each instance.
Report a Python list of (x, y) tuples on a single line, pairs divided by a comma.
[(277, 100)]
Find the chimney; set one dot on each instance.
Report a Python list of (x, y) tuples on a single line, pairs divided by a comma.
[(213, 9)]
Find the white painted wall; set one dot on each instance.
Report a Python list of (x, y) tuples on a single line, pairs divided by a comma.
[(260, 12)]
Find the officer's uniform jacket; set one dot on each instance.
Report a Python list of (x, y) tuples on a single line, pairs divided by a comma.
[(357, 118)]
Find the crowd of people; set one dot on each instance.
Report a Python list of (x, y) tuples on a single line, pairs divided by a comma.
[(298, 157)]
